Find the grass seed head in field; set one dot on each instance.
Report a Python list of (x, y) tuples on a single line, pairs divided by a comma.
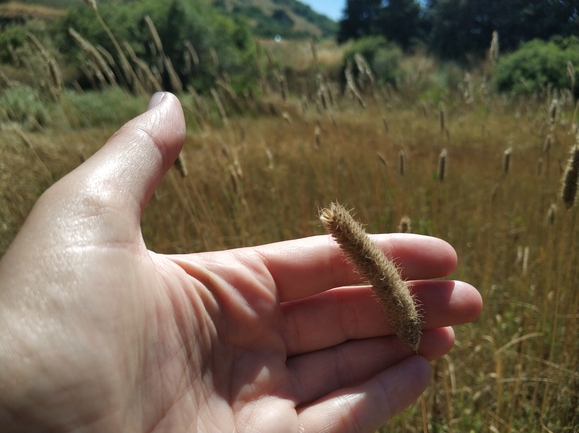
[(570, 178)]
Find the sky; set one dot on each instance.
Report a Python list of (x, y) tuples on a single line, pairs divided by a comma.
[(331, 8)]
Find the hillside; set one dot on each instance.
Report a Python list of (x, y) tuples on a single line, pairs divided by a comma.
[(287, 18), (19, 11), (267, 18)]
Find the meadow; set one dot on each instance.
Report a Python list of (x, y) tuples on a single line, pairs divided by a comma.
[(262, 174)]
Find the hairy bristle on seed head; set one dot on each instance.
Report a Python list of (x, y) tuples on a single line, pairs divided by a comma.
[(381, 273)]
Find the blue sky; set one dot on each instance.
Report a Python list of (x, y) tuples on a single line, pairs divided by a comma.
[(330, 8)]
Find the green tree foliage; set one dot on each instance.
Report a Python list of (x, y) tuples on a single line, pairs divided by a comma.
[(536, 65), (176, 22), (14, 35), (463, 28), (459, 29), (360, 18), (400, 21), (22, 102)]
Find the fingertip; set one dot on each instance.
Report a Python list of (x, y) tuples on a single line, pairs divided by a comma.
[(155, 100), (469, 301), (131, 164), (422, 368), (448, 256), (165, 122), (452, 256), (436, 343)]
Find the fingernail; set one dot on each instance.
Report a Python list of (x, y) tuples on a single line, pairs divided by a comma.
[(155, 100)]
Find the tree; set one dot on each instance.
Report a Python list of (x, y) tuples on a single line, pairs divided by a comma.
[(400, 21), (463, 28), (359, 20)]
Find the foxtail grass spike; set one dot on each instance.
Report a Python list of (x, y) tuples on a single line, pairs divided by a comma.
[(401, 162), (380, 272), (551, 214), (405, 224), (570, 178), (507, 160), (442, 163)]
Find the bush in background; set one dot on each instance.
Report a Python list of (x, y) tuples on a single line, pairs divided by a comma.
[(383, 57), (111, 107), (536, 65), (20, 103)]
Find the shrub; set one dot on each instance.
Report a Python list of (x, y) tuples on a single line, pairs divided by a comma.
[(112, 107), (383, 57), (20, 103), (536, 64), (14, 35)]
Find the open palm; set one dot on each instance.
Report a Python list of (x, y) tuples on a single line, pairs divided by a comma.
[(101, 334)]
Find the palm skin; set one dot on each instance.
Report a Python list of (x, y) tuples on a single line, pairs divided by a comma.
[(100, 334)]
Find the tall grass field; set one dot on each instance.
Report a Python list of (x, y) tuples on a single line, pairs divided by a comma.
[(262, 174)]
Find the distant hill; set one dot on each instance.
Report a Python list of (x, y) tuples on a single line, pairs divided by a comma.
[(286, 18), (267, 18), (19, 11)]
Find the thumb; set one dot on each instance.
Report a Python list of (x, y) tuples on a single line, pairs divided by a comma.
[(101, 201), (132, 163), (104, 197)]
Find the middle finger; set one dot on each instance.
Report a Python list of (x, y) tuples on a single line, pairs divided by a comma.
[(334, 316)]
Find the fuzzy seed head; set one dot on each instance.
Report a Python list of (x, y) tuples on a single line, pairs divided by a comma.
[(382, 159), (401, 162), (494, 50), (553, 110), (551, 214), (442, 116), (507, 160), (442, 164), (549, 140), (570, 178), (405, 224), (381, 273)]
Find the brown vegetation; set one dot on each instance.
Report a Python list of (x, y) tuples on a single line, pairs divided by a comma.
[(262, 178)]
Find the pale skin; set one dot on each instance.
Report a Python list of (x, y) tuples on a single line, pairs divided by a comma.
[(99, 334)]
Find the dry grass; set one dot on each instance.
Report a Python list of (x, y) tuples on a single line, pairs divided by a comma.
[(262, 180), (298, 54)]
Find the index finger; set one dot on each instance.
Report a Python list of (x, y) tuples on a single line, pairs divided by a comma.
[(304, 267)]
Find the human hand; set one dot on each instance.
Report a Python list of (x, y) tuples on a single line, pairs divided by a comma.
[(100, 334)]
